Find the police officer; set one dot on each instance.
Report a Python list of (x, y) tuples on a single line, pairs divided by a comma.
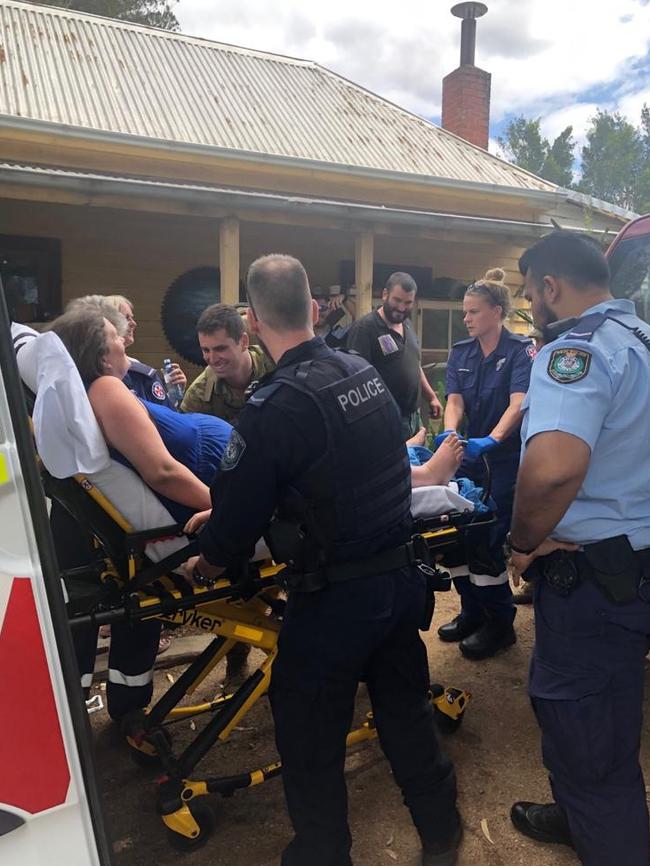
[(320, 444), (487, 378), (584, 485)]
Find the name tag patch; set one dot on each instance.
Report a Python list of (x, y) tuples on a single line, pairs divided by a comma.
[(569, 365), (387, 344)]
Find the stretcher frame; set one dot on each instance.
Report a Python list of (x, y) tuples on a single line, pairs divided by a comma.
[(243, 607)]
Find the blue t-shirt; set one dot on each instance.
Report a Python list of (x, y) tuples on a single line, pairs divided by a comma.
[(195, 440), (597, 387), (486, 384)]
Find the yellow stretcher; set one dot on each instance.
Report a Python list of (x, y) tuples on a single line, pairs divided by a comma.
[(244, 608)]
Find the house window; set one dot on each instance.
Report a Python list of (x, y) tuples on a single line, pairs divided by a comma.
[(30, 269), (439, 326)]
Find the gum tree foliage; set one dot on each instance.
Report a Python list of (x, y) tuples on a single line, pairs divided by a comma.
[(155, 13), (524, 144)]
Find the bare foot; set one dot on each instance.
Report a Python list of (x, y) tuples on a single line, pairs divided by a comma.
[(440, 468), (419, 439)]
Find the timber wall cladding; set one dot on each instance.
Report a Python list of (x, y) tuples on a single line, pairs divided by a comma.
[(139, 254)]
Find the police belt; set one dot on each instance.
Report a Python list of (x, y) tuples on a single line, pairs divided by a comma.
[(413, 552), (620, 572)]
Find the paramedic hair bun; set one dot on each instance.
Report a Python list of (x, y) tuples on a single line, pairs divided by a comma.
[(495, 275)]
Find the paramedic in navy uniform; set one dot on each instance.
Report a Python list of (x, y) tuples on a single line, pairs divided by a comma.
[(320, 442), (585, 480), (487, 378)]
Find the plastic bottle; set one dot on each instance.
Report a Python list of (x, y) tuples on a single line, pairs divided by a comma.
[(174, 392)]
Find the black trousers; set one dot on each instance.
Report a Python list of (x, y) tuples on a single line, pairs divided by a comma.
[(133, 647), (330, 640)]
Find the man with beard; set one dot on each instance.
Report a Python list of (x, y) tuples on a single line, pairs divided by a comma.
[(581, 530), (386, 339)]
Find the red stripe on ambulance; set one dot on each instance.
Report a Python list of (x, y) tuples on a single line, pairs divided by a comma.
[(34, 773)]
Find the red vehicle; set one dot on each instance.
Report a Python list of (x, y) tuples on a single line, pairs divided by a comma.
[(629, 262)]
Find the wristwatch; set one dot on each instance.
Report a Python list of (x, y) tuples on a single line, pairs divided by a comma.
[(509, 548), (201, 580)]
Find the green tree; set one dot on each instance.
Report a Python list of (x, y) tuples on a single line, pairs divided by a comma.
[(615, 160), (524, 144), (155, 13)]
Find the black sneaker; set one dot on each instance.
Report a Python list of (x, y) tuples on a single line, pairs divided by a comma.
[(488, 640), (444, 853), (542, 822)]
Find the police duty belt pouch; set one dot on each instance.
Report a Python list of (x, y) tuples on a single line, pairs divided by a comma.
[(615, 567)]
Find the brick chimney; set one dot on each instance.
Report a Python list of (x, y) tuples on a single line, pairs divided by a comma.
[(466, 90)]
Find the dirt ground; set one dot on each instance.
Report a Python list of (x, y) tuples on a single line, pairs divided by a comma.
[(496, 752)]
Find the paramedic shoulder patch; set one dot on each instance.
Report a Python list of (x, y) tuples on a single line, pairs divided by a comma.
[(568, 365), (234, 450)]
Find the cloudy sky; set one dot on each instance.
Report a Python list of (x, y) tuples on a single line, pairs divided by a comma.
[(554, 59)]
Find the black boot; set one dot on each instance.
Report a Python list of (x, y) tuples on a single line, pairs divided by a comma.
[(544, 823), (460, 627), (443, 853), (493, 635)]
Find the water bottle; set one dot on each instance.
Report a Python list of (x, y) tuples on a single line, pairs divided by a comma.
[(174, 392)]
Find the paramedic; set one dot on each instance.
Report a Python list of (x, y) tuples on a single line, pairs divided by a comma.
[(487, 378)]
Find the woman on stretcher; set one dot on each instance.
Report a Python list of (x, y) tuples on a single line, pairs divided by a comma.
[(176, 455)]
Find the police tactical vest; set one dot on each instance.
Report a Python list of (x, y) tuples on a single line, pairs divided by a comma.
[(355, 500)]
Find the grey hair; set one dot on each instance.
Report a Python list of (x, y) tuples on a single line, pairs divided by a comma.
[(103, 303), (82, 331)]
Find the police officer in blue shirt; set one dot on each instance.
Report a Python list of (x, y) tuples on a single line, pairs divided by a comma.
[(584, 487), (320, 443), (487, 378)]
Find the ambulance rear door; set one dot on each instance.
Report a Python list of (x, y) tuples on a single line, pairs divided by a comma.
[(49, 805)]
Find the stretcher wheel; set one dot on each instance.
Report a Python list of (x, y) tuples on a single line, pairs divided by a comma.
[(147, 756), (445, 723), (204, 814)]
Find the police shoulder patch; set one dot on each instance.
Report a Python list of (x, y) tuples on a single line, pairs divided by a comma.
[(568, 365), (234, 450)]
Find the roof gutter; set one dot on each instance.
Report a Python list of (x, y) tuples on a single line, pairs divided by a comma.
[(540, 198), (192, 194)]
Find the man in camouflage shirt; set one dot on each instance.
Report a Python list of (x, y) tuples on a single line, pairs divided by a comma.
[(232, 365), (221, 389)]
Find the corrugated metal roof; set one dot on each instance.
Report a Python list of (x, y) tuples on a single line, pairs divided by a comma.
[(100, 74)]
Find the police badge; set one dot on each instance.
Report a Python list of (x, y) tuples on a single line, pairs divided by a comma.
[(568, 365), (234, 450)]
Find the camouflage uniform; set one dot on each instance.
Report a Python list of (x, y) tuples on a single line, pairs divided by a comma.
[(211, 394)]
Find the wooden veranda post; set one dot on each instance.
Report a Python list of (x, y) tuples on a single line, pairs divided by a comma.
[(363, 264), (229, 260)]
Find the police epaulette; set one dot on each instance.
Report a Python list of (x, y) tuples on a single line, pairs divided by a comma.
[(463, 342), (585, 328), (259, 396), (519, 338)]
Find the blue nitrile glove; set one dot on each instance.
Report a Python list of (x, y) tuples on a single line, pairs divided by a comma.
[(477, 447), (440, 438)]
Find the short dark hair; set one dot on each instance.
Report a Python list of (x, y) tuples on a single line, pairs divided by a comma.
[(574, 256), (399, 278), (220, 317), (82, 331), (278, 291)]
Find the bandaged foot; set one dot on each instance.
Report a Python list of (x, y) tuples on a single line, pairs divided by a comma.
[(442, 466)]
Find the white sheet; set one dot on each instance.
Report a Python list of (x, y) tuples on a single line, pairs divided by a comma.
[(431, 501), (67, 434)]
